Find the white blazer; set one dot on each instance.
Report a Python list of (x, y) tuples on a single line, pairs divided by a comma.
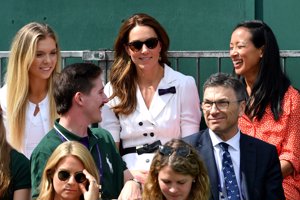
[(169, 116)]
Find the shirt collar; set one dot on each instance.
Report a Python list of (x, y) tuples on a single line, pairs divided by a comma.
[(234, 142), (67, 134)]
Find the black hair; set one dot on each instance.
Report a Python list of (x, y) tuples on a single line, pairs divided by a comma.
[(74, 78), (228, 81), (271, 83)]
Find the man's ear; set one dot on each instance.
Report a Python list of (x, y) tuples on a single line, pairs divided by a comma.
[(242, 108), (78, 98)]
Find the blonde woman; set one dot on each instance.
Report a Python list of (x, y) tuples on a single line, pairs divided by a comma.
[(70, 173), (26, 98), (14, 171)]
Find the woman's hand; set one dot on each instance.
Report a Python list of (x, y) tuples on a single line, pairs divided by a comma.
[(93, 190), (140, 175), (131, 191)]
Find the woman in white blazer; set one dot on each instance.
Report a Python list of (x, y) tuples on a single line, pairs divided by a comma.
[(150, 103)]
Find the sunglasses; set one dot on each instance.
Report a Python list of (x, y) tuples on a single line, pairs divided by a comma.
[(65, 175), (136, 46), (180, 151)]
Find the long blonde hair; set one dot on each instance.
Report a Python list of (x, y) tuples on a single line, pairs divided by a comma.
[(5, 149), (70, 148), (22, 54)]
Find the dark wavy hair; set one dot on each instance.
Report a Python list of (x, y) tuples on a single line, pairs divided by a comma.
[(271, 83)]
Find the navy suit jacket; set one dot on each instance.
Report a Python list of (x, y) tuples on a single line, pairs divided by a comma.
[(261, 177)]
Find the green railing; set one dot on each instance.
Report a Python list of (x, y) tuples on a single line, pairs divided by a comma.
[(104, 59)]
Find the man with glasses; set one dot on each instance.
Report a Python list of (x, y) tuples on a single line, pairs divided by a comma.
[(239, 166)]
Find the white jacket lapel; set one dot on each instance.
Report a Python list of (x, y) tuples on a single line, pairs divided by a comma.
[(160, 101), (142, 108)]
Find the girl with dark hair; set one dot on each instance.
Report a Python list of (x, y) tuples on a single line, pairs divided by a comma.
[(273, 106)]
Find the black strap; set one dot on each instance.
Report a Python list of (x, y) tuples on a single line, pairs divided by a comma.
[(128, 150), (146, 148)]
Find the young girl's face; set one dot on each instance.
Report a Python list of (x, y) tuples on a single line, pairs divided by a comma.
[(45, 59), (173, 185)]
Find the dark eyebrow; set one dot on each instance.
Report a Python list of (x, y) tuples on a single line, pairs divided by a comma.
[(223, 99)]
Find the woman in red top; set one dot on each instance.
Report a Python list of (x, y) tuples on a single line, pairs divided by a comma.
[(273, 107)]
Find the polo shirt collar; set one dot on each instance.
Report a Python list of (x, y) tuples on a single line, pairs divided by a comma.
[(63, 132)]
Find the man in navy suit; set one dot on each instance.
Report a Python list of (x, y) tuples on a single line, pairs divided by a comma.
[(250, 165)]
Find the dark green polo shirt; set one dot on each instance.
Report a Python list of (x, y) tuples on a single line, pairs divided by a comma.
[(112, 164)]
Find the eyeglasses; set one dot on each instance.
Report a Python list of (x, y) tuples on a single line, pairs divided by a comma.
[(65, 175), (220, 105), (136, 46), (180, 151)]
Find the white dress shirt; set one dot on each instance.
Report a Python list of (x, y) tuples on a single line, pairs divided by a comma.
[(234, 150), (36, 127)]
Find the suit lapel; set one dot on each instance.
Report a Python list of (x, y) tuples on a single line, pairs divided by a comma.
[(247, 165), (206, 151)]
